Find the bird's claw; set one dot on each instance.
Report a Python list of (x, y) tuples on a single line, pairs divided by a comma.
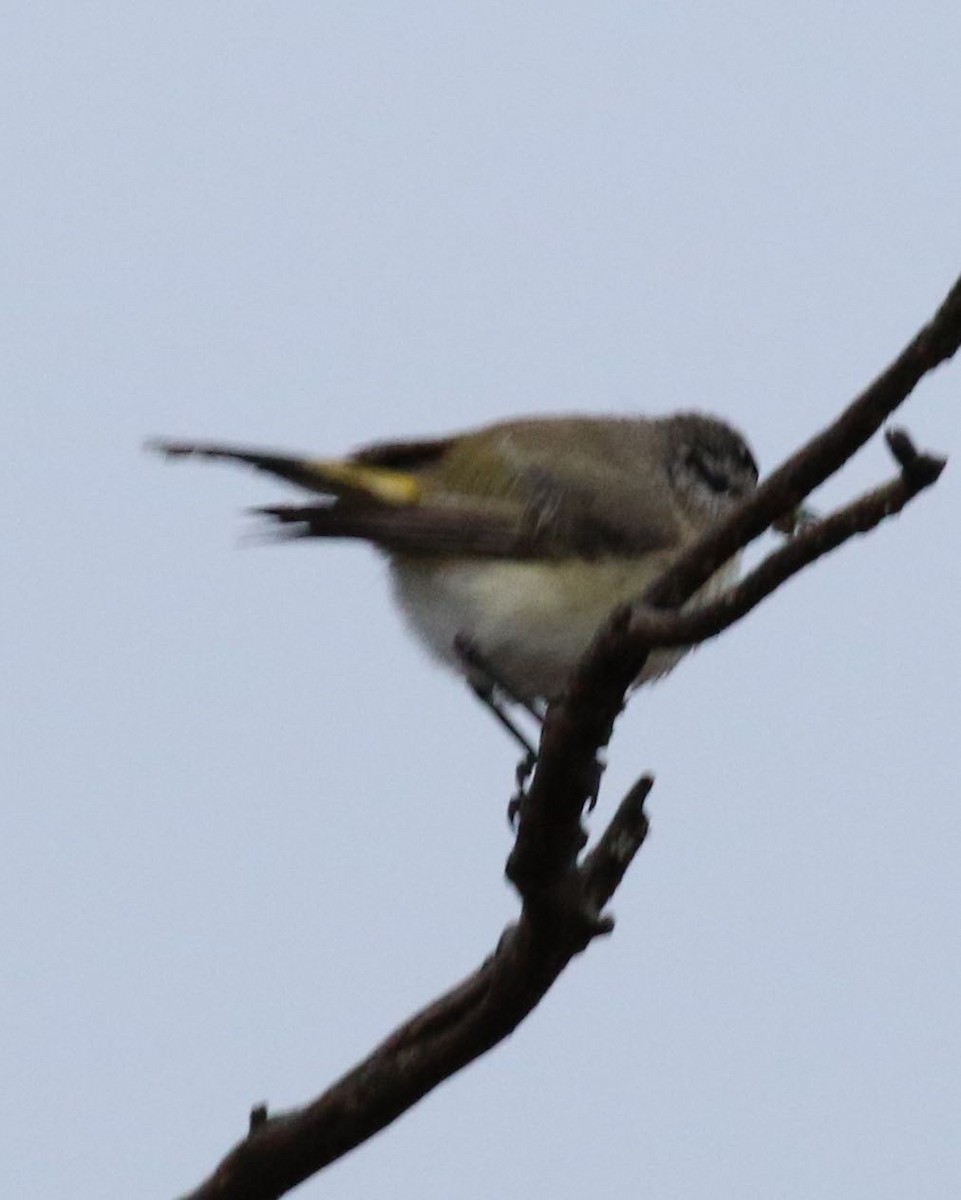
[(524, 770)]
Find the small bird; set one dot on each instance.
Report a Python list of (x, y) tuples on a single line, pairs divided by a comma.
[(509, 545)]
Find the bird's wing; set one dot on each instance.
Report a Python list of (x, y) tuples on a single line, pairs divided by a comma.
[(577, 490), (404, 456), (423, 529), (371, 498), (501, 492)]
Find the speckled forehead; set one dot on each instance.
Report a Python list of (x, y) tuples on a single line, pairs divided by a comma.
[(714, 434)]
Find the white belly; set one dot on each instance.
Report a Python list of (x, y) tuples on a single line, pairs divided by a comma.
[(530, 620)]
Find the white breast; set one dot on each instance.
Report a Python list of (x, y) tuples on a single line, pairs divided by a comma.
[(530, 620)]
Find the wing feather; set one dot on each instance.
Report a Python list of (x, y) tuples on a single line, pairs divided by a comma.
[(554, 488), (423, 530)]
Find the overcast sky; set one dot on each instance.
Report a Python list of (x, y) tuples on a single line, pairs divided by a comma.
[(246, 826)]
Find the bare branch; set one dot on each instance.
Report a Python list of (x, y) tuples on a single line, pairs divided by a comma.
[(563, 899), (599, 684), (816, 461), (651, 628), (557, 921)]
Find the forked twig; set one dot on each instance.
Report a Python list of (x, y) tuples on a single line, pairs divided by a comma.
[(563, 893)]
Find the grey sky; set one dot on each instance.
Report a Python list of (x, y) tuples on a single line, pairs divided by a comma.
[(246, 826)]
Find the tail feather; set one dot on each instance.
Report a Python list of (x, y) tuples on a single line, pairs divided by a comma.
[(422, 530), (382, 505), (327, 477)]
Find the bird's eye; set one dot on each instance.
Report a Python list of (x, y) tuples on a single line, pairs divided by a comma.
[(708, 471), (746, 460)]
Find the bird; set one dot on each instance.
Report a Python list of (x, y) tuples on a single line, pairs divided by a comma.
[(510, 544)]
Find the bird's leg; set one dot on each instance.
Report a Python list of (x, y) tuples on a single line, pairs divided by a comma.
[(479, 668), (488, 697), (489, 688)]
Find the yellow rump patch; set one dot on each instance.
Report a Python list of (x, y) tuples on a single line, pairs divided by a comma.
[(390, 487)]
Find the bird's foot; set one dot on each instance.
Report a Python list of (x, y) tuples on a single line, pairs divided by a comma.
[(524, 771)]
